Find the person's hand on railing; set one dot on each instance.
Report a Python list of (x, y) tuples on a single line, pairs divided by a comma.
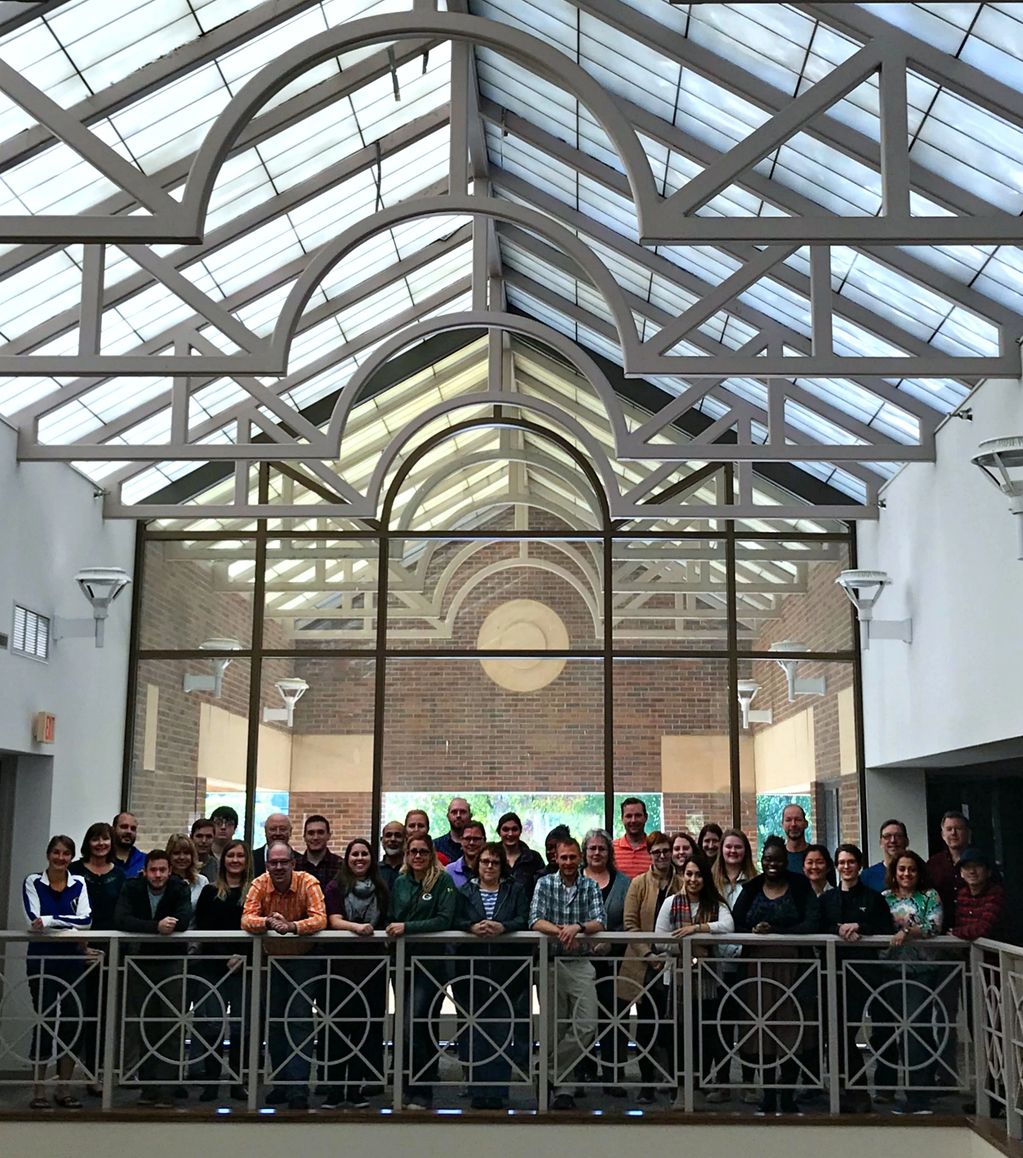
[(365, 930), (762, 927), (92, 952), (166, 926), (686, 931), (850, 931), (567, 935), (487, 929), (235, 962), (37, 925), (395, 929)]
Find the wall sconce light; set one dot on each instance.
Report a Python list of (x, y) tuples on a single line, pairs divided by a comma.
[(747, 689), (101, 586), (1001, 459), (214, 684), (864, 589), (291, 690), (797, 687)]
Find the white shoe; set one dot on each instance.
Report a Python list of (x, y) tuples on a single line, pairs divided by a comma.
[(717, 1096), (751, 1097)]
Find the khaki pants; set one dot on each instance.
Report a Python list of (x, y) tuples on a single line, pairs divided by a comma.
[(572, 1002)]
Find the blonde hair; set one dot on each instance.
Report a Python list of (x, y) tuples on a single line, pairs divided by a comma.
[(175, 843), (433, 870)]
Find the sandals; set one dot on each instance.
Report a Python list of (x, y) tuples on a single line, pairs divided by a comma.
[(67, 1102)]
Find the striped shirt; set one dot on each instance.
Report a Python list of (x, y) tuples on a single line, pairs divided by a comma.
[(302, 903), (489, 900), (67, 909), (632, 861)]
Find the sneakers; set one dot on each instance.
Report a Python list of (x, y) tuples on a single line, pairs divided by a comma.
[(646, 1097), (718, 1096), (334, 1100)]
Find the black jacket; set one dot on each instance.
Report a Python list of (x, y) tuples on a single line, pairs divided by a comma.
[(861, 906), (132, 913), (512, 911), (802, 893)]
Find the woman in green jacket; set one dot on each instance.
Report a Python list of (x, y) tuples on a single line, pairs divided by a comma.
[(422, 901)]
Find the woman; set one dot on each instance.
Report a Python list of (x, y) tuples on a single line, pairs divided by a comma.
[(524, 863), (776, 901), (639, 977), (422, 901), (492, 904), (698, 907), (917, 913), (599, 866), (55, 900), (184, 863), (356, 902), (683, 845), (852, 911), (709, 840), (819, 868), (103, 878), (219, 909)]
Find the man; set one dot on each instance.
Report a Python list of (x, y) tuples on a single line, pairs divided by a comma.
[(980, 903), (155, 902), (318, 860), (277, 826), (203, 833), (943, 867), (565, 905), (126, 829), (894, 842), (632, 856), (466, 868), (283, 901), (392, 841), (450, 844), (795, 824), (225, 825)]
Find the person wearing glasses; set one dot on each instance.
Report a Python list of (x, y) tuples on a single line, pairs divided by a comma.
[(465, 868), (489, 905), (422, 901), (283, 902), (894, 842), (640, 976)]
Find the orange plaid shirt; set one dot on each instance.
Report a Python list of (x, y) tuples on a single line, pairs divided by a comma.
[(302, 903)]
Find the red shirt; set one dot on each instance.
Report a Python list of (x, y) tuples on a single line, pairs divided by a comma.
[(981, 915), (633, 862)]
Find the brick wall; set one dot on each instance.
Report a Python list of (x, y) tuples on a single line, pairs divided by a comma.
[(448, 726)]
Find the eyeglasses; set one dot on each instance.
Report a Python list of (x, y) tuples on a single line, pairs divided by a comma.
[(660, 852), (278, 863), (490, 863), (419, 852), (472, 840)]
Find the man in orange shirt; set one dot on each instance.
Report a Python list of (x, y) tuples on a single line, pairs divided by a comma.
[(288, 903), (632, 856)]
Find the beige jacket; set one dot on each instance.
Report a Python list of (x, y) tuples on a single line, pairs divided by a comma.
[(640, 916)]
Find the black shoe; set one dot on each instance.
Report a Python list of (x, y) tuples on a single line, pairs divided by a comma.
[(563, 1102), (181, 1092), (277, 1096), (479, 1104), (209, 1094), (298, 1102), (647, 1097), (334, 1098), (787, 1103), (372, 1091), (614, 1091), (358, 1101), (768, 1103), (239, 1094)]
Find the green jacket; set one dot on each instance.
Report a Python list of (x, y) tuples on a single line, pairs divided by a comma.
[(432, 913)]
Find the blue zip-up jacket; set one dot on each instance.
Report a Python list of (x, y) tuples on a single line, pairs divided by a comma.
[(68, 909)]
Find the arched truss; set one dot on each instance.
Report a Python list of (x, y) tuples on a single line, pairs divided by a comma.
[(775, 355)]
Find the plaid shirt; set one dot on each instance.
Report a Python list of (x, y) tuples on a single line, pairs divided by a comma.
[(561, 905)]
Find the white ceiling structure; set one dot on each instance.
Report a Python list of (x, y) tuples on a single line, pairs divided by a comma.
[(747, 233)]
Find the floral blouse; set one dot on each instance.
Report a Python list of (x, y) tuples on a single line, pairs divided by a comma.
[(922, 911)]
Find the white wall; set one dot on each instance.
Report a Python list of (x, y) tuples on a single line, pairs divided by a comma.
[(949, 544), (50, 526)]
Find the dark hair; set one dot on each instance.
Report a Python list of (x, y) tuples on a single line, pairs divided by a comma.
[(657, 837), (60, 838), (509, 816), (475, 824), (794, 804), (709, 827), (571, 842), (224, 812), (346, 879), (774, 841), (558, 833), (632, 800), (955, 814), (683, 835), (496, 848), (316, 818), (96, 830), (828, 860), (852, 850), (894, 820), (113, 823), (223, 888), (155, 854), (202, 822), (711, 899), (923, 880)]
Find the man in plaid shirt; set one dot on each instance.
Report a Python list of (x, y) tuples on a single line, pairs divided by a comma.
[(565, 905)]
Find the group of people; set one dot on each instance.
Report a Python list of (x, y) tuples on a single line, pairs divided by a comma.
[(670, 886)]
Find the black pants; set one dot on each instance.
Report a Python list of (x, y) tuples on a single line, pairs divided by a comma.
[(355, 1007)]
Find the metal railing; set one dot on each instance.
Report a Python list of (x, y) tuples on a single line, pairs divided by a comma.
[(451, 1015)]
